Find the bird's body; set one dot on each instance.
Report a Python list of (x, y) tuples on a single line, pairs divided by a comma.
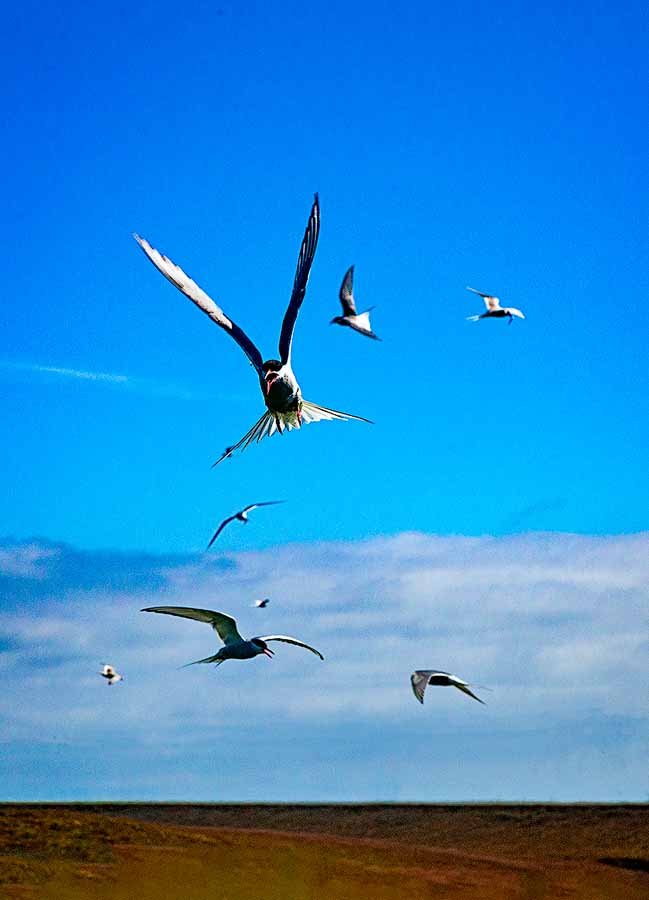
[(286, 408), (241, 516), (421, 678), (494, 309), (234, 646), (357, 321), (262, 604), (111, 676)]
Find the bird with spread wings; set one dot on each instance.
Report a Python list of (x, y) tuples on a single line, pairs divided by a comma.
[(286, 408)]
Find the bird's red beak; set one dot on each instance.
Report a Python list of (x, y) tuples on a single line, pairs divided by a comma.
[(269, 653), (269, 379)]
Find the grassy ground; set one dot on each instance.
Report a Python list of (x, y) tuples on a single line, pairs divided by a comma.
[(326, 852)]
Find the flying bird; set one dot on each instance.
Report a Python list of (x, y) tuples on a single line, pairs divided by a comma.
[(423, 677), (358, 321), (494, 309), (286, 408), (235, 647), (109, 673), (242, 516), (262, 604)]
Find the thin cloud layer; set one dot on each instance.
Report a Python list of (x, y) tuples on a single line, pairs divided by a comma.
[(552, 624)]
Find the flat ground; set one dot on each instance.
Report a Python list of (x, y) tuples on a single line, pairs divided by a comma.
[(323, 852)]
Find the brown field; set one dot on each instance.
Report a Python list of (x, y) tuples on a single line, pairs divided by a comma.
[(323, 852)]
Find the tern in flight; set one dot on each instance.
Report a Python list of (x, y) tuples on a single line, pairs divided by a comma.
[(109, 673), (242, 516), (358, 321), (262, 604), (423, 677), (286, 408), (494, 309), (235, 647)]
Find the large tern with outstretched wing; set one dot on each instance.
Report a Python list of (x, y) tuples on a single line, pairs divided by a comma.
[(286, 408), (234, 646)]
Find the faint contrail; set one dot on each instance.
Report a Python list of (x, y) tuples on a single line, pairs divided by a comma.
[(70, 373)]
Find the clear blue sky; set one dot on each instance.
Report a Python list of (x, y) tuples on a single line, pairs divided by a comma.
[(489, 145)]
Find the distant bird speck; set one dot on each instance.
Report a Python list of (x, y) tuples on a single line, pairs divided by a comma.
[(262, 604), (109, 673), (494, 309)]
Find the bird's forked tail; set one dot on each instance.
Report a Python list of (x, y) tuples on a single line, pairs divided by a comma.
[(271, 422)]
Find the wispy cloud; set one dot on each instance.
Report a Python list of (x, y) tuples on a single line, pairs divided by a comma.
[(68, 373), (150, 386), (554, 624)]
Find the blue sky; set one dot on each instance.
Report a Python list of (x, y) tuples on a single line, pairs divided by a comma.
[(475, 145)]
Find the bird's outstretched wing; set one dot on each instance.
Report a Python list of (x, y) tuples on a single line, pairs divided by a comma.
[(290, 640), (266, 503), (197, 295), (220, 529), (492, 303), (419, 682), (346, 293), (307, 252), (515, 312), (225, 626)]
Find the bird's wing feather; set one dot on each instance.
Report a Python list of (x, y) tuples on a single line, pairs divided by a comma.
[(290, 640), (491, 303), (220, 529), (346, 293), (197, 295), (225, 626), (307, 252), (419, 682), (463, 686), (515, 312), (257, 505)]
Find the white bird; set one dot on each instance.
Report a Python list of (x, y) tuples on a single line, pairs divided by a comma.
[(286, 408), (235, 647), (262, 604), (109, 673), (242, 516), (423, 677), (358, 321), (494, 309)]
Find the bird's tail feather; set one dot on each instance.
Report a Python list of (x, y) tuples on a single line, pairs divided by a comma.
[(271, 422), (311, 412), (208, 659)]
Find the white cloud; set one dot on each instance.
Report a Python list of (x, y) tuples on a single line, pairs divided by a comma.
[(553, 624)]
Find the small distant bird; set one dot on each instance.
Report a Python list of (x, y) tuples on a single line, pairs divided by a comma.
[(242, 516), (358, 321), (235, 647), (262, 604), (494, 309), (282, 395), (111, 675), (423, 677)]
